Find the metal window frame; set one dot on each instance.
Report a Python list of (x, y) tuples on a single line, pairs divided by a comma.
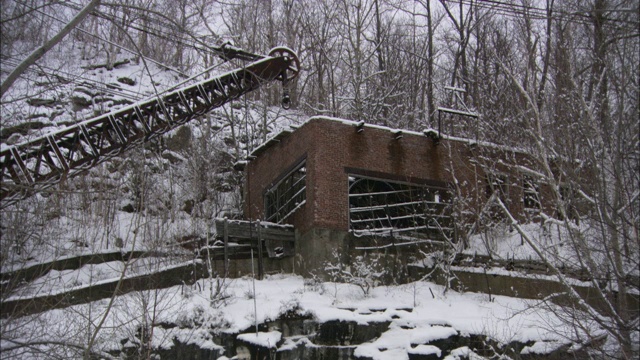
[(287, 195), (402, 213)]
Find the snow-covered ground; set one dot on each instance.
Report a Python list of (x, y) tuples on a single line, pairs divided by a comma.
[(506, 243), (418, 313), (61, 281)]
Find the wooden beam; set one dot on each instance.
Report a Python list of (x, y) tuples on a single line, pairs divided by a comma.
[(244, 230)]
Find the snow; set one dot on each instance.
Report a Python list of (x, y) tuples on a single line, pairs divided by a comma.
[(463, 353), (506, 243), (425, 350), (541, 347), (517, 274), (268, 340), (57, 282), (436, 332), (415, 316), (381, 354), (459, 352), (399, 342), (85, 232)]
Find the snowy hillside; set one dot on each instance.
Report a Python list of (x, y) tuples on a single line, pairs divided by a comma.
[(556, 79), (416, 318)]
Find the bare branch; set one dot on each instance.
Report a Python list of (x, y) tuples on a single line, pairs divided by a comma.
[(39, 52)]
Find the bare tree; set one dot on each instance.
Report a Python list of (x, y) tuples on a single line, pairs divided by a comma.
[(39, 52), (594, 185)]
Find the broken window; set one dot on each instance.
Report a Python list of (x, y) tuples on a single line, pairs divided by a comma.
[(286, 196), (531, 191), (380, 207)]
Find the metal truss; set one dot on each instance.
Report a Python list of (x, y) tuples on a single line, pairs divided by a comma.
[(38, 164)]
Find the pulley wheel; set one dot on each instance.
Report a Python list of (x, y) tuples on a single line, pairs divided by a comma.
[(293, 69)]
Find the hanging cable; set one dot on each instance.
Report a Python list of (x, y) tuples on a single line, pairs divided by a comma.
[(108, 41), (226, 52), (72, 79)]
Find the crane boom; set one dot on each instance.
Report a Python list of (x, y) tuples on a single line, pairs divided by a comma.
[(38, 164)]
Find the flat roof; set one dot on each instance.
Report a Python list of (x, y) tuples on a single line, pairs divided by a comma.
[(426, 132)]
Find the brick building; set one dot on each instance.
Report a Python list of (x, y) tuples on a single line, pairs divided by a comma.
[(344, 184)]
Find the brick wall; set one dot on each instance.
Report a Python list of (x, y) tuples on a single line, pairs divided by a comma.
[(332, 148), (267, 168)]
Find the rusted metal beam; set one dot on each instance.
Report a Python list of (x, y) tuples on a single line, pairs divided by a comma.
[(38, 164)]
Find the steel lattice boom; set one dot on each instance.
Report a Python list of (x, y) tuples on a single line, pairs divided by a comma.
[(38, 164)]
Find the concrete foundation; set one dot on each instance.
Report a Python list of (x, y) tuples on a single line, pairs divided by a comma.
[(317, 246)]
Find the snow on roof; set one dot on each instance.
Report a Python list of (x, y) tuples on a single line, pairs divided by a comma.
[(426, 132), (267, 144)]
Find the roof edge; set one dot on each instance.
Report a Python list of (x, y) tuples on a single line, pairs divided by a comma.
[(426, 132)]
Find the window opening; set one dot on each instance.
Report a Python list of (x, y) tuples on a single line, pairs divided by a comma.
[(287, 196), (380, 207), (531, 191)]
